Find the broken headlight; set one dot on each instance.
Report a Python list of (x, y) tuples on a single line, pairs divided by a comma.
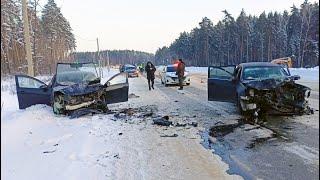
[(251, 92)]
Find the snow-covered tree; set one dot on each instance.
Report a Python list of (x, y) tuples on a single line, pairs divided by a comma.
[(12, 39), (252, 38)]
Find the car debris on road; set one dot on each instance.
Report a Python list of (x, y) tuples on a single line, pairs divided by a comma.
[(162, 121), (173, 135)]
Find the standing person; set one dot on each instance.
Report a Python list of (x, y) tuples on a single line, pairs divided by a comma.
[(180, 73), (150, 70)]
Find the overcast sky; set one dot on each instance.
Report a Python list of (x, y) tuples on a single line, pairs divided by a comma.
[(146, 25)]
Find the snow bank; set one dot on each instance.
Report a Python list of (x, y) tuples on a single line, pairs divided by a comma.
[(193, 69), (306, 74)]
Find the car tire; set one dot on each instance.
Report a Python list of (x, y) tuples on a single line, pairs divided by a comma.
[(58, 108), (187, 84), (103, 104)]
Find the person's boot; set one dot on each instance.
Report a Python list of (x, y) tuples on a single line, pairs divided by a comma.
[(149, 88), (152, 87), (180, 88)]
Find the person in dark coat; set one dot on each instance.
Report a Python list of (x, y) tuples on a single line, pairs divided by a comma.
[(150, 70), (180, 73)]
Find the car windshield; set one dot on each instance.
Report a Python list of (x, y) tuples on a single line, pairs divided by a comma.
[(74, 73), (130, 68), (269, 72), (171, 69)]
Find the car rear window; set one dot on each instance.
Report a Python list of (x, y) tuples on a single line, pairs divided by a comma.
[(171, 69), (130, 68)]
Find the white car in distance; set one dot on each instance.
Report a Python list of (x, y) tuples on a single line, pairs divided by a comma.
[(168, 76)]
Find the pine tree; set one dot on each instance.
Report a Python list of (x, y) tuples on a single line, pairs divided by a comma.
[(57, 32), (252, 38)]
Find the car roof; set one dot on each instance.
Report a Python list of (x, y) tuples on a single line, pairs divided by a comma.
[(129, 65), (75, 63), (170, 65), (258, 64)]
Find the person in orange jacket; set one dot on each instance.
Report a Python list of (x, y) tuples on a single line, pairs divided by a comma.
[(180, 73)]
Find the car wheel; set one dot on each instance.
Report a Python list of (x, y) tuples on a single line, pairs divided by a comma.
[(102, 105), (188, 84), (58, 104), (165, 83)]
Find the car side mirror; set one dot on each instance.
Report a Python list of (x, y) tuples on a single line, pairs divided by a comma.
[(44, 87), (296, 77), (108, 83)]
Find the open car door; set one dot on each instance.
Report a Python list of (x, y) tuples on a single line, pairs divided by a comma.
[(221, 86), (31, 91), (117, 88)]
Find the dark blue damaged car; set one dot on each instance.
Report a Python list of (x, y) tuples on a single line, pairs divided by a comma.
[(74, 90), (258, 88)]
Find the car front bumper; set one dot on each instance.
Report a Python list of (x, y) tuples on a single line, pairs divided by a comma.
[(78, 106), (247, 104), (175, 80)]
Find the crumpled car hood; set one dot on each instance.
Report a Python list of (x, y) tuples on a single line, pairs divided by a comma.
[(79, 89), (281, 95), (266, 84)]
